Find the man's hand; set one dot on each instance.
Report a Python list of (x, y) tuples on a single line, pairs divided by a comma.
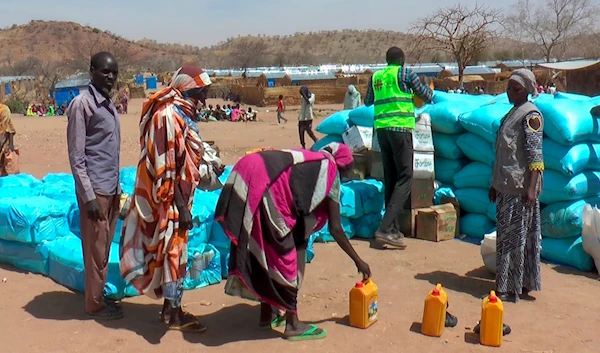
[(93, 211)]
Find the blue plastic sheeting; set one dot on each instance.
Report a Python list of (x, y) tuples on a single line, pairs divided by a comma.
[(60, 187), (445, 169), (485, 121), (151, 82), (491, 211), (335, 124), (222, 243), (476, 148), (27, 257), (563, 219), (207, 258), (33, 219), (310, 250), (323, 236), (568, 121), (327, 140), (572, 96), (571, 160), (350, 203), (474, 175), (441, 96), (568, 252), (223, 178), (370, 193), (18, 192), (17, 180), (127, 178), (473, 200), (444, 116), (476, 225), (65, 266), (446, 147), (362, 116), (558, 187), (442, 193), (366, 226)]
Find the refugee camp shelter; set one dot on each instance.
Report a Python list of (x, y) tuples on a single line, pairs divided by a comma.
[(583, 76), (10, 84), (312, 78), (65, 91)]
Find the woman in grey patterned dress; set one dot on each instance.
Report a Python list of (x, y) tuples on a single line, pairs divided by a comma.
[(516, 186)]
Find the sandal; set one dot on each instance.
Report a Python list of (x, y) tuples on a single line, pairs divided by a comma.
[(107, 313), (190, 324), (309, 334), (278, 321)]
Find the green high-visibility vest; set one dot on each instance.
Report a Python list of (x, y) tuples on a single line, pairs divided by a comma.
[(393, 107)]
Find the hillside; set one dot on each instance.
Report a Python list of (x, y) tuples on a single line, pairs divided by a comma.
[(65, 47)]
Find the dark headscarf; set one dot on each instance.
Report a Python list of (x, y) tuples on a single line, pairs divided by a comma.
[(305, 92)]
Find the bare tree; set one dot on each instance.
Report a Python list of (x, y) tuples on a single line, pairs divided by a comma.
[(551, 24), (248, 52), (87, 45), (22, 67), (459, 31), (53, 71)]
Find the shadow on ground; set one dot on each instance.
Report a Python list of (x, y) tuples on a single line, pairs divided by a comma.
[(230, 324), (574, 272), (12, 268), (477, 282)]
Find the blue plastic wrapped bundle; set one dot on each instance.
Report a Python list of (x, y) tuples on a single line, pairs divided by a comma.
[(474, 175), (350, 203), (558, 187), (65, 266), (60, 187), (225, 175), (568, 252), (310, 249), (572, 96), (221, 242), (446, 147), (323, 236), (335, 124), (327, 140), (571, 160), (12, 192), (569, 121), (362, 116), (18, 180), (33, 219), (366, 226), (200, 234), (443, 192), (127, 178), (370, 192), (476, 148), (491, 211), (441, 96), (445, 169), (563, 219), (203, 267), (27, 257), (476, 225), (473, 200), (485, 121), (444, 116)]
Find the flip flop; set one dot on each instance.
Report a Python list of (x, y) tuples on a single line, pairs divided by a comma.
[(278, 321), (193, 326), (309, 335)]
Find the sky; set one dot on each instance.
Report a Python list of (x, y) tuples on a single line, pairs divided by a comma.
[(205, 23)]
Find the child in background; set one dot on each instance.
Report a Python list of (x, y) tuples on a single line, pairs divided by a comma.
[(280, 110)]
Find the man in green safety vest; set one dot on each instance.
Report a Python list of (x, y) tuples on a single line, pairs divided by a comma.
[(391, 90)]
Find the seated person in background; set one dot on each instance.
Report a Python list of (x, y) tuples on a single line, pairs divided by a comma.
[(251, 115), (228, 111)]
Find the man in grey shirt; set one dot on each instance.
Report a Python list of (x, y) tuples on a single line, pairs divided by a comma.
[(94, 141)]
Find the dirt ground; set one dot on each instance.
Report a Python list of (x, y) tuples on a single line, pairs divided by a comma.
[(38, 315)]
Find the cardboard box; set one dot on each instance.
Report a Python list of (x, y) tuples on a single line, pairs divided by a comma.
[(421, 194), (453, 201), (423, 135), (436, 223), (423, 165), (361, 167), (358, 138)]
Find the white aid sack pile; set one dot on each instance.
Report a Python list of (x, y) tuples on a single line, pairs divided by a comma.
[(590, 235), (488, 251)]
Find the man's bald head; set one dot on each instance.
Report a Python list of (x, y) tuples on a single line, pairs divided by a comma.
[(104, 71)]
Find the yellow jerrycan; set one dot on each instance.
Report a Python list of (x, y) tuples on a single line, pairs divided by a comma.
[(363, 304), (492, 320), (434, 312)]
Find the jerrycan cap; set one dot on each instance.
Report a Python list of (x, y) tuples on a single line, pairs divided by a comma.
[(359, 285), (493, 298), (435, 292)]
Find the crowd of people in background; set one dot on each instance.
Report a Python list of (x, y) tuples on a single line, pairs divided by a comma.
[(46, 110), (227, 113)]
